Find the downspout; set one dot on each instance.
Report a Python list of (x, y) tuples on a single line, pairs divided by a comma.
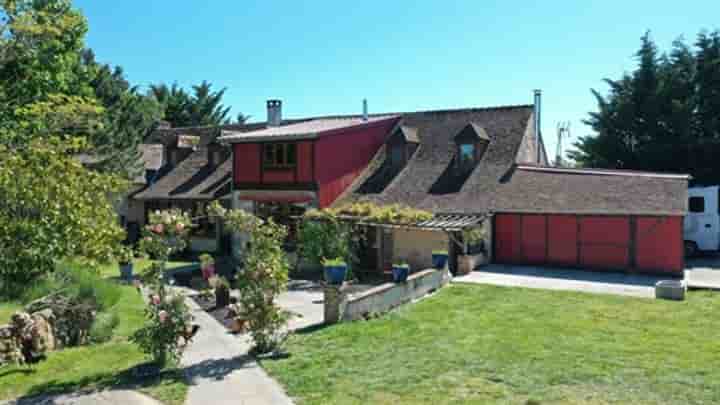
[(537, 125)]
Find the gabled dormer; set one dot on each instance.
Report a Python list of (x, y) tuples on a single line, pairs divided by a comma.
[(401, 145), (471, 143)]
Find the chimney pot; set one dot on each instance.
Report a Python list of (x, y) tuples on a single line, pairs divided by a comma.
[(365, 110), (274, 113)]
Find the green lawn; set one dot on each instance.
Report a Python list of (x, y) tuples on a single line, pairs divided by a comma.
[(97, 366), (484, 344)]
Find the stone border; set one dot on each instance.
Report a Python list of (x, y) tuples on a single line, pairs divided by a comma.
[(342, 306)]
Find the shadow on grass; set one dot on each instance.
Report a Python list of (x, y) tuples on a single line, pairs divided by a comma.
[(126, 380), (311, 329)]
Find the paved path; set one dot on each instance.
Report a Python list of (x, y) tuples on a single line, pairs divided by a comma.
[(703, 272), (218, 367), (113, 397), (564, 279)]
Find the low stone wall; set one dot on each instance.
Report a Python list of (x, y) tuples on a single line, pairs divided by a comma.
[(341, 306)]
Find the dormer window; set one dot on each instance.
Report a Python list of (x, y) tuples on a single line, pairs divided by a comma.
[(402, 145), (471, 144)]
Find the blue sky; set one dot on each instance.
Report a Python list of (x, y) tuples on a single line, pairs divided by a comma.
[(324, 57)]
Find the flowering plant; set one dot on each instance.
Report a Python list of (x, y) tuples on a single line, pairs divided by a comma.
[(168, 318), (166, 233)]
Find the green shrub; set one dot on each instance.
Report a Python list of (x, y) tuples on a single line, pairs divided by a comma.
[(440, 252), (78, 281), (334, 262), (103, 327)]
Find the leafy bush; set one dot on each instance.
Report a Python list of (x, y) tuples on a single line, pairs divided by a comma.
[(103, 327), (439, 252), (168, 318), (334, 262), (76, 281)]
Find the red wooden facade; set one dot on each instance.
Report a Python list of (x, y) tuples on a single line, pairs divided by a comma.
[(641, 243), (326, 165)]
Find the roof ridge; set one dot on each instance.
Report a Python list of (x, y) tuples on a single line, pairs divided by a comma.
[(603, 172)]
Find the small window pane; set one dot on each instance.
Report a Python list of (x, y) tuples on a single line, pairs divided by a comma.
[(290, 150), (269, 153), (467, 152), (697, 204)]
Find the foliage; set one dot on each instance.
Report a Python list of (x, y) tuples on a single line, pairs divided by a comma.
[(77, 282), (336, 262), (218, 282), (369, 212), (206, 260), (201, 108), (322, 235), (591, 354), (167, 319), (440, 252), (126, 255), (263, 278), (664, 116), (166, 233), (474, 235), (103, 327), (47, 217)]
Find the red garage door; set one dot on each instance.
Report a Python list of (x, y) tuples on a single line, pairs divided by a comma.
[(658, 244), (605, 242), (650, 244)]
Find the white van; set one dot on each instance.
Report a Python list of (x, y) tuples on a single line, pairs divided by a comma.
[(702, 224)]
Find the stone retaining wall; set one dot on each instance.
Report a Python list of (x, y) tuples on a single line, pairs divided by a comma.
[(341, 306)]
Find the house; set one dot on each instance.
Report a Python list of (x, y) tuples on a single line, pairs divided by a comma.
[(479, 167)]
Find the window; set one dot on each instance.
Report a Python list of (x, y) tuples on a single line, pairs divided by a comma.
[(466, 154), (279, 155), (396, 155), (697, 204)]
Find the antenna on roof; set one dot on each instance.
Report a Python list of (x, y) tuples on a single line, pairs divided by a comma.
[(365, 110), (563, 131)]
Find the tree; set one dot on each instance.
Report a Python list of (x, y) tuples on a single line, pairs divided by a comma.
[(53, 208), (201, 108), (661, 117)]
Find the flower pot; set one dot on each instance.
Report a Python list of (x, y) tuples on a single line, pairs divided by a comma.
[(208, 271), (126, 271), (439, 260), (222, 297), (466, 264), (335, 274), (400, 273)]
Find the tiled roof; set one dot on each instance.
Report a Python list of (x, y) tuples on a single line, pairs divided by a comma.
[(303, 130), (501, 182), (194, 178)]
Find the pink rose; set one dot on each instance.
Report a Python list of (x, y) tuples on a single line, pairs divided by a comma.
[(148, 239), (179, 227), (162, 316), (159, 228), (155, 300)]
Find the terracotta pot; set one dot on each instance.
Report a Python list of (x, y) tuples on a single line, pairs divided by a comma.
[(466, 264), (237, 325)]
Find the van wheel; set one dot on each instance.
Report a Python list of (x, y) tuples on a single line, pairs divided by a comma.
[(691, 249)]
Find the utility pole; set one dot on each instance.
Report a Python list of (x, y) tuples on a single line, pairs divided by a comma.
[(563, 131)]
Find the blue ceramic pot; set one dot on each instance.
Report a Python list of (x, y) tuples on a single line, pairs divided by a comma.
[(335, 274), (439, 260), (400, 273), (126, 271)]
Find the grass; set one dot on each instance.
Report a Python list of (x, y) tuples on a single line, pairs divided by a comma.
[(484, 344), (99, 366)]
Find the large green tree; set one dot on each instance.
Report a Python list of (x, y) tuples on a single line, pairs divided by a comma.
[(201, 107), (52, 207), (663, 116)]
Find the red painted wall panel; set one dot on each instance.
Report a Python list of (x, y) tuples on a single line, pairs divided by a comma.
[(278, 176), (534, 239), (247, 163), (605, 242), (304, 161), (507, 238), (562, 240), (340, 157), (659, 244)]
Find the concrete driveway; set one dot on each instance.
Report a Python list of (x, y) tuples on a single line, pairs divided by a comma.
[(703, 272), (564, 279)]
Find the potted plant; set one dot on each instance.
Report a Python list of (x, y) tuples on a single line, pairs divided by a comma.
[(222, 291), (335, 270), (125, 260), (439, 258), (238, 320), (400, 271), (207, 266)]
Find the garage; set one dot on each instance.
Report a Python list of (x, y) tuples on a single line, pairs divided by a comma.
[(650, 244)]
